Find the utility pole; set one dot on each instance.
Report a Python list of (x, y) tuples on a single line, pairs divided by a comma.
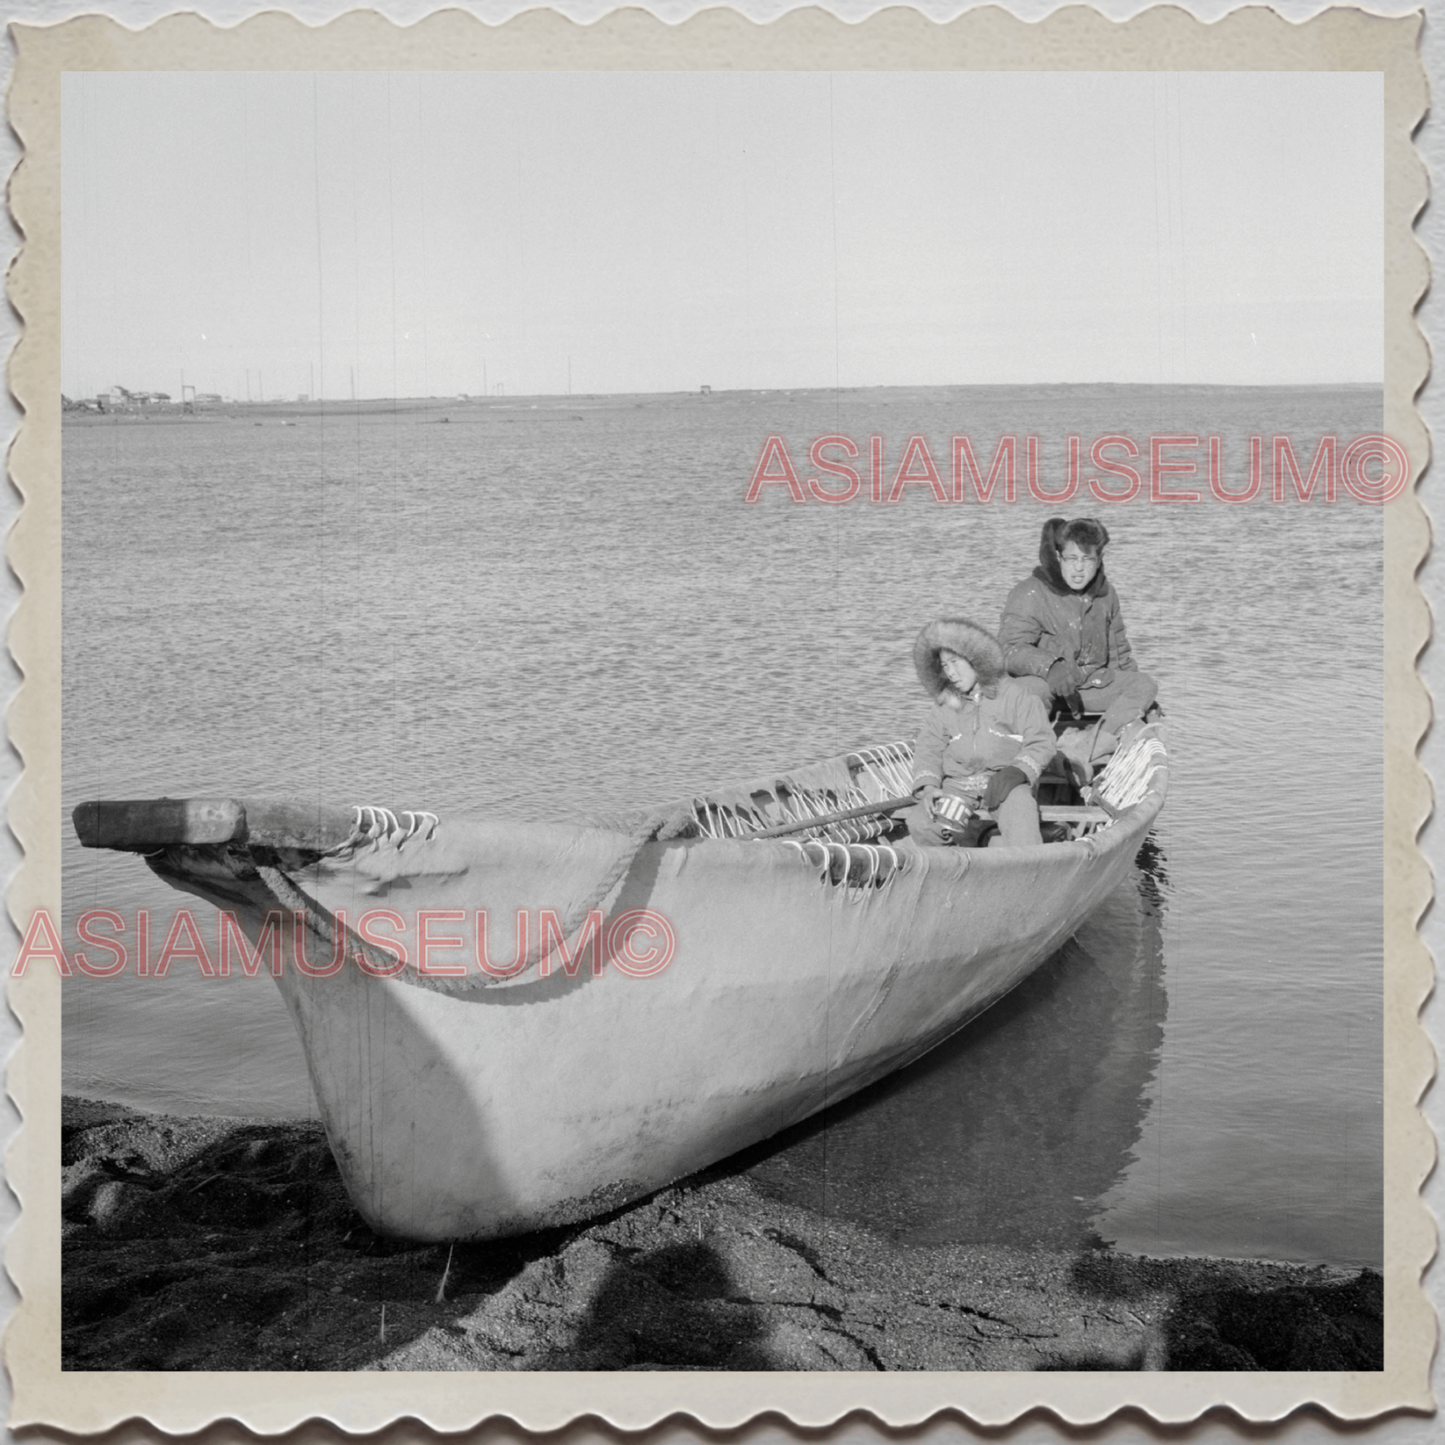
[(569, 373)]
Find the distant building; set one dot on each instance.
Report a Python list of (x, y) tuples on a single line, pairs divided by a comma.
[(707, 391)]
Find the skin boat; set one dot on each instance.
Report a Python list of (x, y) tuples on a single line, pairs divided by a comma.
[(511, 1026)]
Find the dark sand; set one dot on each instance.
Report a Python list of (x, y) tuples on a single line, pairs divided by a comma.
[(229, 1244)]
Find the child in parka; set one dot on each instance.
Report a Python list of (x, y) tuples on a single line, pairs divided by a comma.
[(984, 741)]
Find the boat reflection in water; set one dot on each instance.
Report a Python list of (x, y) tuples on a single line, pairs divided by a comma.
[(1013, 1130)]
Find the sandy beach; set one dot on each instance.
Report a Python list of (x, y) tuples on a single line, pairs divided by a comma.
[(201, 1243)]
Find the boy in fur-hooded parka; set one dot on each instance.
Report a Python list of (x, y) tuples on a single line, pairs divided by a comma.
[(987, 746), (1069, 642)]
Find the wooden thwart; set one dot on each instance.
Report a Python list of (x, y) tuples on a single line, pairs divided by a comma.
[(1074, 813)]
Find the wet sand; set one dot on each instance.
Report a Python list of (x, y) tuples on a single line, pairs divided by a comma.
[(229, 1244)]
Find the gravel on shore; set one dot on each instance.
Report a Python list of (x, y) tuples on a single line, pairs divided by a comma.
[(229, 1244)]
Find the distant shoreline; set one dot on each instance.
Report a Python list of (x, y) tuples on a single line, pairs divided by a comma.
[(366, 406)]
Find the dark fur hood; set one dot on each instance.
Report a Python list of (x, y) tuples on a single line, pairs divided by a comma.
[(968, 640), (1048, 571)]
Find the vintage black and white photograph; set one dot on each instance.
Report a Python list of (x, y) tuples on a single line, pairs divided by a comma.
[(722, 721)]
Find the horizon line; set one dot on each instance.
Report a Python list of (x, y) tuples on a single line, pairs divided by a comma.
[(699, 391)]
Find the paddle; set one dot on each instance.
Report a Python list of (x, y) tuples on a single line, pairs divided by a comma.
[(863, 810), (1098, 812)]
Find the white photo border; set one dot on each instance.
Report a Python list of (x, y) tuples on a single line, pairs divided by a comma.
[(1074, 38)]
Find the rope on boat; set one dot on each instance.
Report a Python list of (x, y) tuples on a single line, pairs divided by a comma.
[(1126, 780), (861, 867), (848, 859), (890, 766), (381, 825), (319, 921), (874, 775), (658, 826)]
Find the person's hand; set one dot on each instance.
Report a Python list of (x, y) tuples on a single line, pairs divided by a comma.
[(1102, 678), (1001, 784), (929, 833), (1065, 677)]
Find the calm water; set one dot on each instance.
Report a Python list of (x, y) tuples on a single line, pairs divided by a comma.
[(532, 608)]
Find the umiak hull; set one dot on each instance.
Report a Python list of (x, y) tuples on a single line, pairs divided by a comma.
[(794, 982)]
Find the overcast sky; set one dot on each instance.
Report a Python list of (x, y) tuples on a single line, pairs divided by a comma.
[(414, 235)]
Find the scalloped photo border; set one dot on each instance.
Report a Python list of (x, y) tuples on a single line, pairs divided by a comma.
[(1254, 39)]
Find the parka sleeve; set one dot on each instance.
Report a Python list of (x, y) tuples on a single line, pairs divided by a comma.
[(1121, 655), (928, 751), (1020, 631), (1030, 720)]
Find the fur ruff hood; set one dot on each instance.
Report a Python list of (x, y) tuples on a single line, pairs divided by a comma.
[(968, 640), (1049, 572)]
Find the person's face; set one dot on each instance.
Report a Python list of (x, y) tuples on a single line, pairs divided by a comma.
[(1077, 565), (958, 671)]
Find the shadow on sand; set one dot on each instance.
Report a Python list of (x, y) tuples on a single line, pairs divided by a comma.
[(1218, 1323)]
